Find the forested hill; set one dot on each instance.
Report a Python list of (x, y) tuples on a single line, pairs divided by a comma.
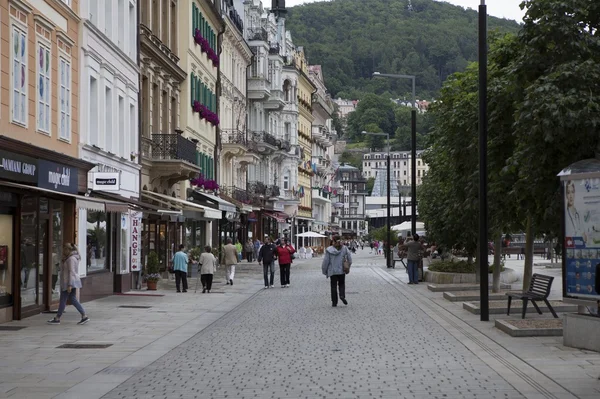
[(353, 38)]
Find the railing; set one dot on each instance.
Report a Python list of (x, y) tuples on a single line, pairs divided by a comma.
[(346, 216), (274, 49), (233, 136), (273, 191), (169, 147), (257, 34), (284, 145), (257, 187), (354, 204), (264, 137), (239, 194), (291, 195)]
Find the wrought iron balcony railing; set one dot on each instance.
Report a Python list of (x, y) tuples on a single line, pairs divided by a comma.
[(291, 195), (169, 147), (284, 145), (264, 137), (273, 191), (257, 187), (257, 34), (233, 136)]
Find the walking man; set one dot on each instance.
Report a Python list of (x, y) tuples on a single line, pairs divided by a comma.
[(333, 268), (180, 266), (230, 255), (413, 258), (267, 256)]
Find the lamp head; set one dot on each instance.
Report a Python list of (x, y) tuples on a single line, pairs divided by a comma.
[(376, 73)]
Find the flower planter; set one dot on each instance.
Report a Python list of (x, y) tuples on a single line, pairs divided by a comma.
[(151, 285), (508, 276)]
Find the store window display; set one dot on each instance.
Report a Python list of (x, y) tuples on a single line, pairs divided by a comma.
[(6, 259), (97, 249)]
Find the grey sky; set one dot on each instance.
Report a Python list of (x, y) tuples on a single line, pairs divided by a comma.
[(498, 8)]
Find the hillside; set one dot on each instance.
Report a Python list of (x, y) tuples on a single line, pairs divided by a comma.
[(353, 38)]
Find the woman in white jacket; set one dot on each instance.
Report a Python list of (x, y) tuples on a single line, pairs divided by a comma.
[(69, 283), (208, 264)]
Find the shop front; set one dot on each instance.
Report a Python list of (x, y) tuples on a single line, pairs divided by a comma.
[(38, 215)]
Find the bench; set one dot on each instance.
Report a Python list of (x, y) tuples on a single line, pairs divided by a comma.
[(539, 290)]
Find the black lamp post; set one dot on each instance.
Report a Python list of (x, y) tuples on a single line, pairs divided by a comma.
[(483, 205)]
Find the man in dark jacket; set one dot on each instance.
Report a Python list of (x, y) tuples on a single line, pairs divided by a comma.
[(267, 256)]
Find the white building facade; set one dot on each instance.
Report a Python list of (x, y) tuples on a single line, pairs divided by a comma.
[(109, 88), (400, 168)]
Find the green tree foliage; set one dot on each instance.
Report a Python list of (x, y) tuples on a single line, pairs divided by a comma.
[(353, 38), (351, 158), (370, 184)]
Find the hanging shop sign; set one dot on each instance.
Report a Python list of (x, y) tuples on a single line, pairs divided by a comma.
[(57, 177), (136, 241), (17, 167), (105, 181)]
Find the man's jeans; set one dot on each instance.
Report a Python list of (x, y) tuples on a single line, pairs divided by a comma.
[(266, 267), (181, 277), (64, 296), (413, 271)]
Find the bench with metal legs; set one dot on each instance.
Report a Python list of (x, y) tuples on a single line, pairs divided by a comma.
[(539, 290)]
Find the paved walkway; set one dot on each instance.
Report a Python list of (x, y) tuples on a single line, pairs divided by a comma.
[(391, 341)]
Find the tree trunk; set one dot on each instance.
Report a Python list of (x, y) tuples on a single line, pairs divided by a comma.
[(497, 266), (528, 269)]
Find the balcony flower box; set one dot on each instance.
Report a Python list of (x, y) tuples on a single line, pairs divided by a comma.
[(205, 47), (205, 184), (205, 113)]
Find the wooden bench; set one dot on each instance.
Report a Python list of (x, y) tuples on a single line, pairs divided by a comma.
[(539, 290)]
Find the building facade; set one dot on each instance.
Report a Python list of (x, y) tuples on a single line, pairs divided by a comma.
[(109, 139), (324, 138), (351, 201), (400, 167)]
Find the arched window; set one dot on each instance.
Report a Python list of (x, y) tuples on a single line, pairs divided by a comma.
[(287, 90)]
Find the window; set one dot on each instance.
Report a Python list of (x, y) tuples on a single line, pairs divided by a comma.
[(65, 99), (108, 18), (68, 2), (96, 243), (132, 32), (94, 139), (19, 72), (122, 135), (108, 119), (122, 24), (286, 181), (132, 129), (43, 92)]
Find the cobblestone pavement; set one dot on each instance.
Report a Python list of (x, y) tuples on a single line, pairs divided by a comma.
[(291, 343)]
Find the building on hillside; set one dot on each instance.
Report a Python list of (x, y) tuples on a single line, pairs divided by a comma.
[(345, 107), (352, 195), (422, 105), (236, 148), (324, 138), (109, 139), (306, 90), (401, 167), (42, 178)]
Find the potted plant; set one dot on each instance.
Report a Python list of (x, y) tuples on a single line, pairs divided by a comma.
[(152, 276), (194, 257)]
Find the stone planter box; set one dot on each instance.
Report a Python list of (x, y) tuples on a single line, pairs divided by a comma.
[(501, 307), (459, 287), (581, 331), (531, 329), (508, 276), (467, 296)]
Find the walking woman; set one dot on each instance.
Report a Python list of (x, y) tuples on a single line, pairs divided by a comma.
[(284, 255), (333, 268), (69, 283), (208, 264), (249, 249)]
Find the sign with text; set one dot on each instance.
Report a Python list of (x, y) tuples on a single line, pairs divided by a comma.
[(105, 181), (17, 167), (57, 177), (582, 237), (136, 241)]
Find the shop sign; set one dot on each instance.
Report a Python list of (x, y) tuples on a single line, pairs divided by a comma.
[(136, 241), (17, 167), (105, 181), (57, 177)]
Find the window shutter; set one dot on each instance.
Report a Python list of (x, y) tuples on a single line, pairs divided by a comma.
[(193, 18), (193, 87)]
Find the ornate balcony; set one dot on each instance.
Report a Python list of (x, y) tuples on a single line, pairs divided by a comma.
[(273, 192), (170, 157), (276, 100), (284, 145), (234, 142), (259, 87), (257, 187), (266, 143), (257, 34), (291, 196)]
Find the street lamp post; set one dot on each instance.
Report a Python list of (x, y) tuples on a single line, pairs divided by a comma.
[(484, 305), (389, 241), (413, 216)]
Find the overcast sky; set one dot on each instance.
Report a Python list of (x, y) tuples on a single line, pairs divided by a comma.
[(498, 8)]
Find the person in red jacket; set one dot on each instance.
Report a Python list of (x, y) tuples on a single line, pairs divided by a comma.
[(284, 255)]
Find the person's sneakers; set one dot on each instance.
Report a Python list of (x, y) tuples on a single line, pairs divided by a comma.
[(334, 305), (344, 301), (266, 286), (84, 320), (203, 290), (272, 286), (410, 283), (184, 291), (53, 321), (231, 281)]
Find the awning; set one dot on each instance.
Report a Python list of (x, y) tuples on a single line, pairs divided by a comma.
[(81, 202), (280, 217), (182, 204), (223, 205), (132, 201)]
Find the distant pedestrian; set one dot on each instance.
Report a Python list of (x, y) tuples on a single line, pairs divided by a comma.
[(413, 249), (249, 248), (69, 283), (240, 248), (371, 245), (256, 248), (267, 255), (284, 255), (230, 258), (208, 264), (333, 268), (180, 266)]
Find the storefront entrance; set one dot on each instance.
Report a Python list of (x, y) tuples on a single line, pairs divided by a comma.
[(40, 254)]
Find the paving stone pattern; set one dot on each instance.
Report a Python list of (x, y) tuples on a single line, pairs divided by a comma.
[(291, 343)]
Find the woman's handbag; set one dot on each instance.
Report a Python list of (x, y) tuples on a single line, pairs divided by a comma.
[(346, 265)]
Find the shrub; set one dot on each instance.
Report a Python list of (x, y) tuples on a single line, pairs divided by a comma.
[(152, 266), (460, 266)]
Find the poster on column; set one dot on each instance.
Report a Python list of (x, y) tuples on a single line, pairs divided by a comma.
[(582, 237), (136, 242)]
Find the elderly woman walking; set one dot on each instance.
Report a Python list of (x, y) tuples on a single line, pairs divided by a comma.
[(333, 268), (69, 283), (208, 264)]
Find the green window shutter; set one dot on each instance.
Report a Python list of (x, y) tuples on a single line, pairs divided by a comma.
[(212, 168), (199, 90), (192, 87), (193, 17)]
